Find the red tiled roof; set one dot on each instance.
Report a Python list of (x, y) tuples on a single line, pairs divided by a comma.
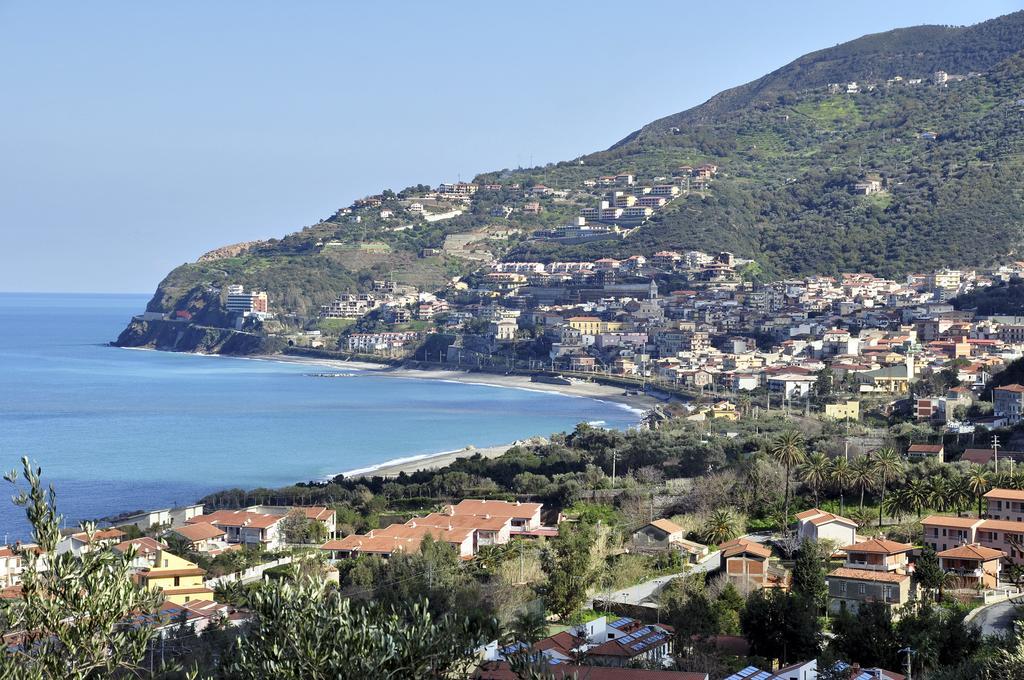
[(880, 546), (973, 551), (199, 531), (868, 575)]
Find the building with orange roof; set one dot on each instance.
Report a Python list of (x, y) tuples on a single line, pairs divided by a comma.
[(202, 536), (874, 571), (746, 564), (525, 516), (82, 542), (179, 580), (244, 527), (975, 564)]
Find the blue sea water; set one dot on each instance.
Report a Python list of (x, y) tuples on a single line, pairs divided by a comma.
[(116, 430)]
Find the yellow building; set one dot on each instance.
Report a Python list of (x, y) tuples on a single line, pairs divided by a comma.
[(848, 411), (179, 580), (587, 325)]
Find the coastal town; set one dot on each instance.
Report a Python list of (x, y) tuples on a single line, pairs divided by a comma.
[(837, 387), (756, 368)]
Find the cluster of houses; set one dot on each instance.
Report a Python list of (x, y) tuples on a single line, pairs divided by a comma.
[(879, 335), (467, 526)]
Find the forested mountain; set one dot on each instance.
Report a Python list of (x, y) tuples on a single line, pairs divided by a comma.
[(948, 157)]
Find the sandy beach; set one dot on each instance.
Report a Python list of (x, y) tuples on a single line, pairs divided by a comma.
[(582, 389)]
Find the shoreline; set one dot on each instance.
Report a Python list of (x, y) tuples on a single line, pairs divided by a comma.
[(636, 404), (579, 388)]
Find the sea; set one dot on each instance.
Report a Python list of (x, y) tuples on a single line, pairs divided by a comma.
[(118, 430)]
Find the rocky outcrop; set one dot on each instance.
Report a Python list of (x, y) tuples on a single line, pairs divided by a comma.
[(224, 252), (182, 336)]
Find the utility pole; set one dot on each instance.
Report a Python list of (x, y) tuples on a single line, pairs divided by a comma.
[(995, 450), (615, 459), (907, 666)]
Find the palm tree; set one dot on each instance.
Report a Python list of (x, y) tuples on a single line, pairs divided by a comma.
[(788, 450), (815, 472), (960, 494), (898, 504), (529, 626), (978, 482), (721, 526), (938, 494), (887, 464), (841, 476), (917, 496), (863, 471)]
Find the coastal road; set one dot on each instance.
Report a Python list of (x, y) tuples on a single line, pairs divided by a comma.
[(996, 619), (649, 590)]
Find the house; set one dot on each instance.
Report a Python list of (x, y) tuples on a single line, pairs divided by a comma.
[(403, 538), (146, 550), (642, 644), (82, 542), (315, 513), (244, 527), (874, 571), (524, 516), (11, 566), (663, 534), (919, 452), (818, 525), (975, 564), (804, 670), (850, 410), (746, 564), (202, 537), (179, 580), (1008, 403)]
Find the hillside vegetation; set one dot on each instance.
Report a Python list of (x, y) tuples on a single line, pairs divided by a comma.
[(788, 151)]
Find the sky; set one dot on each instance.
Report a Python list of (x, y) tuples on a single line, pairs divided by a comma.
[(134, 136)]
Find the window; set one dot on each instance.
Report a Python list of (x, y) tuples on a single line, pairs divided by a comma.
[(842, 587), (861, 588)]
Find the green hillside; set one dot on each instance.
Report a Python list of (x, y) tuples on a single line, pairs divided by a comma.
[(788, 151)]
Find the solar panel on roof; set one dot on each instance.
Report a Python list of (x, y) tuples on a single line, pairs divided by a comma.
[(744, 673), (763, 675)]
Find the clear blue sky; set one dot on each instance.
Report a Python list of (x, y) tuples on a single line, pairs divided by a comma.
[(135, 136)]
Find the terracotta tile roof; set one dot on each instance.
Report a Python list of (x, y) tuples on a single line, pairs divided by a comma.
[(880, 546), (668, 526), (868, 575), (500, 670), (199, 531), (1010, 388), (973, 551), (924, 448), (99, 535), (947, 521), (238, 518), (171, 573), (1006, 494), (144, 545), (496, 508), (739, 546), (481, 522), (1002, 525)]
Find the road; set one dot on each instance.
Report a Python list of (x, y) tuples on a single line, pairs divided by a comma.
[(997, 618), (649, 590)]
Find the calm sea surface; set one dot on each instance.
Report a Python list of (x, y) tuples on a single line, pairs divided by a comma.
[(117, 430)]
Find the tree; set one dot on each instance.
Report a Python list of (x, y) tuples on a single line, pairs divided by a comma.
[(863, 473), (978, 482), (722, 525), (841, 477), (866, 637), (294, 527), (809, 574), (307, 629), (566, 563), (917, 496), (824, 383), (788, 450), (1009, 662), (960, 494), (887, 464), (70, 621), (529, 626), (928, 572), (780, 625), (815, 472)]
